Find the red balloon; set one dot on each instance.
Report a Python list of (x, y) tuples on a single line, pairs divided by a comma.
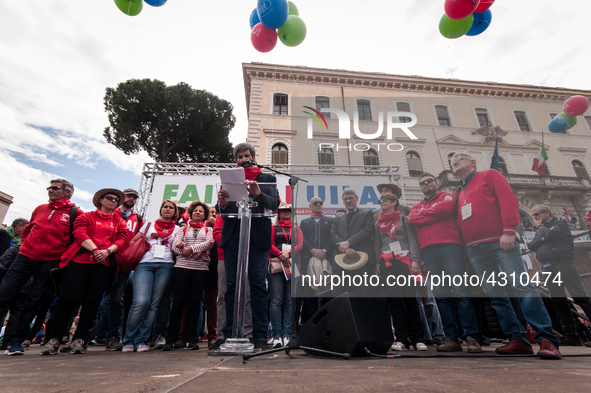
[(484, 5), (263, 39), (459, 9), (576, 105)]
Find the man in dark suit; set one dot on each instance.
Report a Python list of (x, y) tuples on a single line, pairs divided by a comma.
[(266, 197), (350, 233), (317, 233)]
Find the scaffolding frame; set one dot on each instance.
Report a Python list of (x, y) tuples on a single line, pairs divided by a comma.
[(153, 169)]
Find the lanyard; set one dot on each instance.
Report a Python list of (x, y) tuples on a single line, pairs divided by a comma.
[(288, 239)]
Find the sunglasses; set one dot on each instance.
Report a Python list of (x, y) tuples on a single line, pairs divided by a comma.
[(318, 203), (54, 188), (427, 181), (111, 198)]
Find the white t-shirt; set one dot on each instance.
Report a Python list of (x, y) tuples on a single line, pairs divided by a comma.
[(149, 256)]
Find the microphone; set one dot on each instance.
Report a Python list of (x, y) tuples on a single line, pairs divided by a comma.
[(249, 163)]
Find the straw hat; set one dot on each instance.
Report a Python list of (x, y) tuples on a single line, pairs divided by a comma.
[(392, 186), (284, 206), (355, 262), (101, 193)]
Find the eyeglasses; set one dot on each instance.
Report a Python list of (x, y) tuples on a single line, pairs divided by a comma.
[(427, 181), (54, 188), (111, 198), (458, 160), (534, 215), (318, 203)]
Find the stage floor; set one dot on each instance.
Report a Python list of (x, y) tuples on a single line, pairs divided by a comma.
[(189, 371)]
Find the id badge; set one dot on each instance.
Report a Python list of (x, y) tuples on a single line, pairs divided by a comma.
[(395, 247), (159, 251), (286, 247), (466, 211)]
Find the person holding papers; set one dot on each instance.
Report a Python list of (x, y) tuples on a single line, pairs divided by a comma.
[(265, 196)]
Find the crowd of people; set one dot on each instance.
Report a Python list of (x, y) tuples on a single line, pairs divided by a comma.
[(60, 268)]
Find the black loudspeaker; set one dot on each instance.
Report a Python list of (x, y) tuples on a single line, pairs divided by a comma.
[(348, 325)]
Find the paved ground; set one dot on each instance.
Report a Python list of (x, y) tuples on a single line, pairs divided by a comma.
[(189, 371)]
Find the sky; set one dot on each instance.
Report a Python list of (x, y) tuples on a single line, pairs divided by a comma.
[(57, 58)]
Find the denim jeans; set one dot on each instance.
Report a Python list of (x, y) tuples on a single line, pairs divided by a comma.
[(150, 280), (257, 275), (19, 272), (487, 258), (430, 317), (455, 306), (280, 293)]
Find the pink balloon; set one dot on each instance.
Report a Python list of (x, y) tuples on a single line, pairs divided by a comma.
[(459, 9), (484, 5), (263, 39), (575, 105)]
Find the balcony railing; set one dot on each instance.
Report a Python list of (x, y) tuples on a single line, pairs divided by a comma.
[(448, 178)]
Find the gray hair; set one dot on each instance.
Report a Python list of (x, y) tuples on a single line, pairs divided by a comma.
[(468, 156), (244, 146), (349, 191), (543, 209), (20, 221), (66, 184)]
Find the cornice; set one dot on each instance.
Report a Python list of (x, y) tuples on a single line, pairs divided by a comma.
[(412, 83)]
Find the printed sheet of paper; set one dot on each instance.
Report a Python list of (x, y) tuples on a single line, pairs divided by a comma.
[(232, 182)]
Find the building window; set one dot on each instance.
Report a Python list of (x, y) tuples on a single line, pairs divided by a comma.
[(588, 120), (280, 104), (325, 156), (442, 115), (364, 110), (279, 154), (502, 167), (323, 102), (522, 121), (482, 116), (580, 170), (403, 107), (415, 166), (370, 157), (449, 157)]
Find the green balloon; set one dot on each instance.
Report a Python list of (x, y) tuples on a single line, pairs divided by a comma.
[(454, 28), (130, 7), (293, 31), (293, 10), (571, 120)]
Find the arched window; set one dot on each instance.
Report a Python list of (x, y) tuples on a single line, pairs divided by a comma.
[(279, 154), (415, 166), (370, 158), (580, 170), (502, 167), (449, 157)]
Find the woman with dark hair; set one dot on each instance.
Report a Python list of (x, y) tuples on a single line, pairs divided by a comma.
[(279, 285), (88, 269), (192, 245), (151, 278), (397, 245)]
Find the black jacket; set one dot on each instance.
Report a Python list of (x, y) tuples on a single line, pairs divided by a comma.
[(559, 243), (260, 229)]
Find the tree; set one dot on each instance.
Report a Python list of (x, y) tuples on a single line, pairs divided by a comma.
[(171, 123)]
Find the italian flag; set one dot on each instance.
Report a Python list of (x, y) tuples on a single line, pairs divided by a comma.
[(540, 162)]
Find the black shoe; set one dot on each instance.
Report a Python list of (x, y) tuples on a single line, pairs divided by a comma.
[(168, 346), (216, 344), (570, 341), (439, 341), (262, 345), (191, 345)]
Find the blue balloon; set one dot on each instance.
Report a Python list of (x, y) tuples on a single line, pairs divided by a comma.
[(273, 13), (155, 3), (558, 125), (254, 18), (481, 22)]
